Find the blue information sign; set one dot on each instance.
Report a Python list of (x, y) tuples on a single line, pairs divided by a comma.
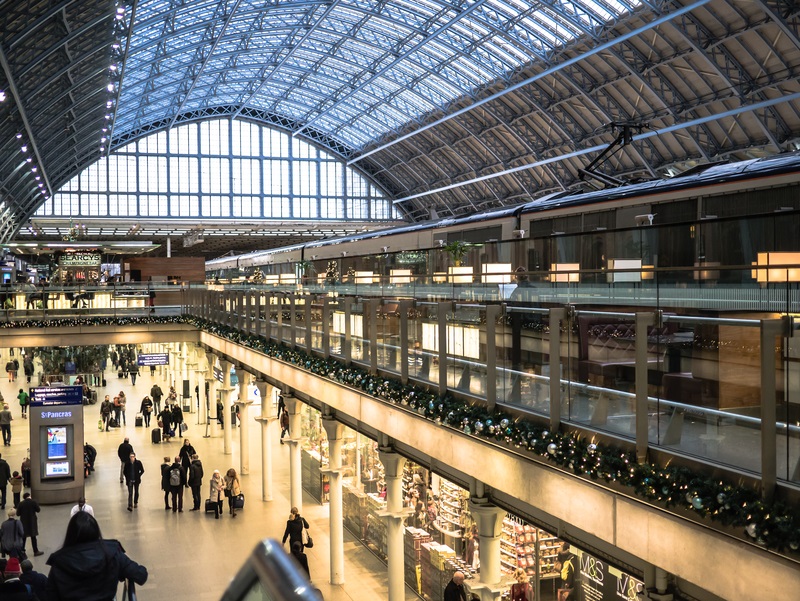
[(42, 396), (148, 359)]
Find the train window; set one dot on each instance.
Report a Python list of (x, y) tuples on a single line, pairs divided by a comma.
[(749, 202), (478, 236), (540, 228), (567, 225), (598, 220), (675, 212)]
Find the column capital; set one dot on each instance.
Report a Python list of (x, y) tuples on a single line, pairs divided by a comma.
[(392, 462), (489, 518), (334, 429)]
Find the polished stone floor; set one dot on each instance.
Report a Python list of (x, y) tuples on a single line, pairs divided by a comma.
[(191, 555)]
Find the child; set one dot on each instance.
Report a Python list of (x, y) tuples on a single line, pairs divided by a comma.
[(16, 487)]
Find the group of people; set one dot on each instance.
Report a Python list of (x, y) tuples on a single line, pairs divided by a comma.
[(86, 567), (118, 407)]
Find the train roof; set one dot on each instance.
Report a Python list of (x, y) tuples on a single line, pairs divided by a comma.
[(702, 176)]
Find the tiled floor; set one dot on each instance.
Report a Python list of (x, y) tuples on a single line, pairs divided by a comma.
[(191, 555)]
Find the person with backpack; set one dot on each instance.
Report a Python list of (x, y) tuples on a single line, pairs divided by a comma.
[(24, 401), (196, 481), (105, 412), (565, 564), (156, 393), (177, 482)]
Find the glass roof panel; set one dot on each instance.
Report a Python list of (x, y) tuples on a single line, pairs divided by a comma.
[(318, 63)]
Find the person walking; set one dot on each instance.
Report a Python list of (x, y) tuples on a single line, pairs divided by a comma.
[(195, 480), (177, 419), (5, 477), (302, 558), (27, 510), (12, 536), (105, 412), (134, 371), (16, 487), (133, 478), (88, 566), (146, 409), (217, 493), (123, 401), (156, 393), (27, 366), (294, 528), (284, 421), (233, 488), (165, 481), (177, 482), (5, 424), (24, 401), (186, 452), (165, 422), (124, 452)]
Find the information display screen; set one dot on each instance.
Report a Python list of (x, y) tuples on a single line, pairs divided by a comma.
[(56, 469), (56, 442)]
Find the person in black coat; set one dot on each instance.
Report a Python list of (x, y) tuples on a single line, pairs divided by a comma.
[(5, 476), (88, 567), (26, 511), (165, 417), (195, 480), (165, 481), (454, 591), (124, 452), (176, 490), (186, 452), (133, 478), (294, 528), (36, 580), (302, 558), (177, 418)]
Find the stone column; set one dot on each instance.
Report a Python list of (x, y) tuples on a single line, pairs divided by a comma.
[(266, 419), (213, 388), (335, 432), (293, 407), (489, 519), (244, 422), (226, 391), (393, 467)]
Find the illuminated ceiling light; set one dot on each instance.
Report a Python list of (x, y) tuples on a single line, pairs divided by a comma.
[(19, 136), (34, 169), (102, 149), (38, 178), (24, 148), (108, 104), (115, 45), (105, 129), (112, 67), (2, 96), (103, 139), (110, 87), (108, 116), (29, 160)]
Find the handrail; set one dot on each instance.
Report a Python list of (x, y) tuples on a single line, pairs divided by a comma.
[(269, 573)]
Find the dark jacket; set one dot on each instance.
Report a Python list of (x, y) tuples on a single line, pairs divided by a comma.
[(294, 530), (156, 392), (5, 473), (12, 537), (91, 571), (302, 559), (26, 512), (165, 476), (37, 582), (133, 472), (196, 473), (185, 454), (177, 415), (166, 419), (15, 590), (454, 592), (146, 406), (124, 452)]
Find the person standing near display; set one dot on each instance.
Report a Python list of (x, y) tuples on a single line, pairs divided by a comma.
[(454, 591), (133, 477), (5, 424)]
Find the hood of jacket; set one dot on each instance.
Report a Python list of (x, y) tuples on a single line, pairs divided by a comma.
[(87, 560)]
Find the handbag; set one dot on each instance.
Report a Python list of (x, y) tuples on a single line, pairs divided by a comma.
[(306, 539), (183, 427)]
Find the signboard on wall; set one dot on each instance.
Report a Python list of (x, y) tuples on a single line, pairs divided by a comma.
[(42, 396), (80, 260), (148, 359), (600, 581)]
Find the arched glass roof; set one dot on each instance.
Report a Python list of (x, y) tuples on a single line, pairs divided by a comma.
[(352, 70)]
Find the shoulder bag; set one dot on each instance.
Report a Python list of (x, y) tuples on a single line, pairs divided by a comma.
[(306, 539)]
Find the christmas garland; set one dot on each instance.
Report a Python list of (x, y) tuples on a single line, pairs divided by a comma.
[(775, 526)]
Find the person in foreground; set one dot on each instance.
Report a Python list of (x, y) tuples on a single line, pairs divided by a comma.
[(88, 567), (454, 591)]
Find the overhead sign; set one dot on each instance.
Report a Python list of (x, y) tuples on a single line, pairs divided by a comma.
[(148, 359), (602, 582), (43, 396), (80, 260)]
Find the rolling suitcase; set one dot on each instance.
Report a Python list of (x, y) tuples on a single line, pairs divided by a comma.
[(155, 436), (139, 420), (238, 501), (210, 506)]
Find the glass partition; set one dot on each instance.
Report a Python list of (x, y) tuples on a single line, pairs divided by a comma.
[(359, 333), (466, 350), (388, 339), (423, 354), (316, 323), (523, 358)]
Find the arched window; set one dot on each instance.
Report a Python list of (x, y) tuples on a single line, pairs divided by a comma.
[(220, 169)]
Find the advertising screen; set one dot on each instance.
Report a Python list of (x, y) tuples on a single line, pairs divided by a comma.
[(56, 469), (56, 442)]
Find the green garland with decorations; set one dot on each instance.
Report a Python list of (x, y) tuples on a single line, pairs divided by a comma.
[(772, 525)]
